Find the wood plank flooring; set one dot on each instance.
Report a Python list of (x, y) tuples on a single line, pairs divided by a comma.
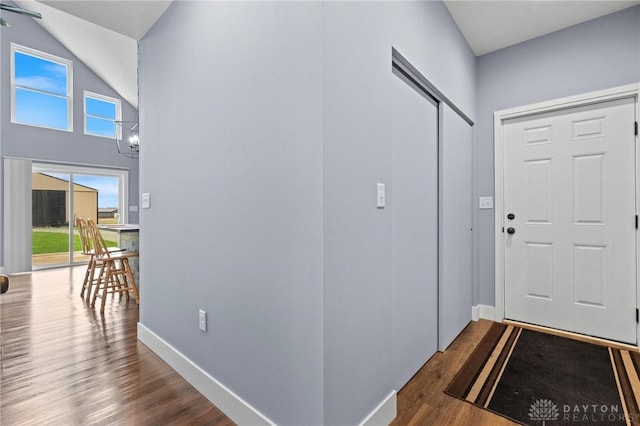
[(62, 363), (422, 401)]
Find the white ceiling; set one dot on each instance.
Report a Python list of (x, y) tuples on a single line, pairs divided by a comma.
[(492, 25), (132, 18), (104, 34)]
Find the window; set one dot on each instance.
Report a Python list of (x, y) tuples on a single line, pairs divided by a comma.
[(62, 192), (100, 115), (41, 92)]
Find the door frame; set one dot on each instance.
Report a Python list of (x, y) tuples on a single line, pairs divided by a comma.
[(627, 91), (81, 169)]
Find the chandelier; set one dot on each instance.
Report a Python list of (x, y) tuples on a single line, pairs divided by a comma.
[(128, 139)]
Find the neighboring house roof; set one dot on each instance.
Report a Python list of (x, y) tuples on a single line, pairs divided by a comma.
[(45, 182), (108, 210)]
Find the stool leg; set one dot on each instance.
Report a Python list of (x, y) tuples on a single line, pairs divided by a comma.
[(131, 281), (89, 278), (86, 280), (92, 276), (105, 288), (100, 281)]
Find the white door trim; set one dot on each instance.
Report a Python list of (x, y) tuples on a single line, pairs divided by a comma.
[(631, 90)]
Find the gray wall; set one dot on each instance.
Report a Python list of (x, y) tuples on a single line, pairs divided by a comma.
[(53, 145), (595, 55), (231, 95), (358, 37), (271, 124)]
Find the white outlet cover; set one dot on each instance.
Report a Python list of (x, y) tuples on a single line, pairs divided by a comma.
[(486, 202)]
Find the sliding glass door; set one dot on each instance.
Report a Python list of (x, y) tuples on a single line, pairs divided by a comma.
[(50, 218), (61, 193)]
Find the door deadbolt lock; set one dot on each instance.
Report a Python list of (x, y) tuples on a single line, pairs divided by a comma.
[(511, 216), (511, 231)]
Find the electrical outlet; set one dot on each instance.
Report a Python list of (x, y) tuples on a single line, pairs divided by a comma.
[(203, 320), (486, 202)]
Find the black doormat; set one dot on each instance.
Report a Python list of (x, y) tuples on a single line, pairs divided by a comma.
[(536, 378)]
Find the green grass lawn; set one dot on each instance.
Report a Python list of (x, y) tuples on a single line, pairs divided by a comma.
[(57, 242)]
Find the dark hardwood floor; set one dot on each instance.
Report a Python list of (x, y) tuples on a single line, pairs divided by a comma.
[(62, 363), (422, 401)]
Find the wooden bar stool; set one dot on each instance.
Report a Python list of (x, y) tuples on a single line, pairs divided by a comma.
[(115, 274), (86, 243)]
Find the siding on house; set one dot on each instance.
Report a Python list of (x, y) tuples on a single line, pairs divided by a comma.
[(85, 199), (107, 213)]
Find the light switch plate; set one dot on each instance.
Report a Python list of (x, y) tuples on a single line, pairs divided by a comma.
[(202, 320), (486, 202), (146, 200), (381, 198), (133, 208)]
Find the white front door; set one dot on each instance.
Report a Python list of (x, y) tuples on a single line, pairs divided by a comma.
[(570, 232)]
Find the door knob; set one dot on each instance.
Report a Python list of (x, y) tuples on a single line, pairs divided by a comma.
[(511, 231), (511, 216)]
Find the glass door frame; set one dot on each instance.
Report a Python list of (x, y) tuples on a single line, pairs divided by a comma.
[(74, 169)]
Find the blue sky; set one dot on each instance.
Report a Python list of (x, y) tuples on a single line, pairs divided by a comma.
[(38, 108), (40, 97), (107, 187)]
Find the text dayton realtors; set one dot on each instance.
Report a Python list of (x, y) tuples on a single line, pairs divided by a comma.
[(594, 413)]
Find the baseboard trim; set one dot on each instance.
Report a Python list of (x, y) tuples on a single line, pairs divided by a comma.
[(484, 312), (228, 402), (384, 413)]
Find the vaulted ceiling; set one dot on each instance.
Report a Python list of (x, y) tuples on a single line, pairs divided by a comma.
[(105, 34)]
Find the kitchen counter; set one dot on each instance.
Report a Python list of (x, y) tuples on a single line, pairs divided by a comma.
[(128, 237)]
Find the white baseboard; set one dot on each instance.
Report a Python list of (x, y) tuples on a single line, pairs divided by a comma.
[(484, 312), (384, 413), (228, 402)]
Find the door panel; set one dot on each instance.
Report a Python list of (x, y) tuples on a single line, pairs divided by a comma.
[(50, 218), (570, 182), (414, 200), (455, 292), (538, 178), (539, 270)]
